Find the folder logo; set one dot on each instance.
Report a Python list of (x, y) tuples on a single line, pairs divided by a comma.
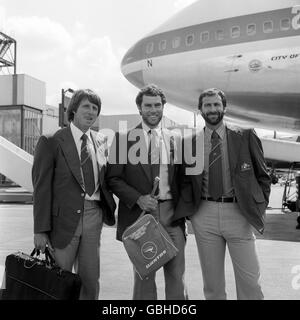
[(149, 250)]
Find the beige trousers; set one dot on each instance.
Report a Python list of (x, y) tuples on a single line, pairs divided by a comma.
[(83, 252), (219, 224)]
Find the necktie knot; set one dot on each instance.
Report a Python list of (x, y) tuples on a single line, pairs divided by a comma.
[(84, 137), (214, 135), (152, 133)]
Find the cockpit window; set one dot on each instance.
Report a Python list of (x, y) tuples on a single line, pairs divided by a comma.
[(235, 32), (162, 45), (204, 36), (268, 26), (220, 34), (176, 42), (251, 29), (150, 47), (285, 24), (189, 40)]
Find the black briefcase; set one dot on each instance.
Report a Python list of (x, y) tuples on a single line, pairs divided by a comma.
[(27, 277)]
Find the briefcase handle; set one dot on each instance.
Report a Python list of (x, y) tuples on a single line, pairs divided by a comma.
[(48, 257)]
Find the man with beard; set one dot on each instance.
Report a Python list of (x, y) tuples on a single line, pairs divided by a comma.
[(229, 199), (132, 182)]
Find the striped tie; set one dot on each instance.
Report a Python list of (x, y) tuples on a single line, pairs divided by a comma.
[(215, 179), (87, 166), (153, 155)]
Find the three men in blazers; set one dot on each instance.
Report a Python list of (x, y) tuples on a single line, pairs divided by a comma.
[(131, 173), (71, 199)]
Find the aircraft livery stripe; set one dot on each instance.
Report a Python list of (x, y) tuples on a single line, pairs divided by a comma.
[(139, 50)]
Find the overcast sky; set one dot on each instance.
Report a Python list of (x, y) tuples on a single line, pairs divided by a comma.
[(80, 44)]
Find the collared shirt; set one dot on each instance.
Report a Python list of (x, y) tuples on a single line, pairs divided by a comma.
[(77, 134), (164, 187), (227, 182)]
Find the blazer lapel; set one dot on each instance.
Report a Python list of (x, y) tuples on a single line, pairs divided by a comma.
[(234, 140), (170, 153), (71, 154), (101, 155), (197, 177)]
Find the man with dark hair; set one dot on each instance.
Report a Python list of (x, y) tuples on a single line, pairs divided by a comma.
[(150, 90), (230, 197), (150, 151), (71, 200)]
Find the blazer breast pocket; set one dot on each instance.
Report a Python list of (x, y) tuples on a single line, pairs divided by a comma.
[(245, 167)]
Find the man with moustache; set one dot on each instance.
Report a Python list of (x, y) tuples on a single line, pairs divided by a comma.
[(71, 199), (230, 197), (132, 182)]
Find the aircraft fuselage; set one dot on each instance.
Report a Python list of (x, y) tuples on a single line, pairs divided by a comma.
[(254, 58)]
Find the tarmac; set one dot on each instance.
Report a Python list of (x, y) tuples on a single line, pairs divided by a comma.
[(278, 251)]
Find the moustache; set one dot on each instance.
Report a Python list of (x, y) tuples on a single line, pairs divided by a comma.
[(213, 113)]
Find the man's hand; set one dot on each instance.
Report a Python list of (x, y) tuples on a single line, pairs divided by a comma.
[(147, 203), (41, 240)]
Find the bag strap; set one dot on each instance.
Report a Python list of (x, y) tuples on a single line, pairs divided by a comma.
[(155, 186)]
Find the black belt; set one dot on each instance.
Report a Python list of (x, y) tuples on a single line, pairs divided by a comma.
[(221, 199)]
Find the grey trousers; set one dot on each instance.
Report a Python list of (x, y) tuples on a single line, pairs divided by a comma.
[(215, 225), (83, 252), (173, 270)]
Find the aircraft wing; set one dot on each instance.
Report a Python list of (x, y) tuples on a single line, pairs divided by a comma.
[(281, 150)]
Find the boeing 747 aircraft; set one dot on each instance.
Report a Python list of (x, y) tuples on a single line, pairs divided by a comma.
[(250, 50)]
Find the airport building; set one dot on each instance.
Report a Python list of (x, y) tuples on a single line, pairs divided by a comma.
[(22, 99)]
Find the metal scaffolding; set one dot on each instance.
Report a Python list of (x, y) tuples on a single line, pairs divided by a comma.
[(8, 53)]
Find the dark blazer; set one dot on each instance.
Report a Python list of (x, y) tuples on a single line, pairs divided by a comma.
[(250, 178), (59, 189), (128, 181)]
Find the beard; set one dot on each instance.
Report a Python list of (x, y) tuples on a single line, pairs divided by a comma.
[(217, 120), (152, 123)]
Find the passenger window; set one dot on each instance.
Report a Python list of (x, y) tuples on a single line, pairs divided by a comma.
[(189, 40), (268, 26), (176, 42), (235, 32), (204, 37), (220, 34), (285, 24), (162, 45), (251, 29), (150, 47)]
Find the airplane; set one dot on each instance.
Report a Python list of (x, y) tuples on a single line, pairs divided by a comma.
[(250, 50)]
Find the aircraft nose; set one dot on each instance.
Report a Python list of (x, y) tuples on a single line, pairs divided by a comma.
[(131, 66)]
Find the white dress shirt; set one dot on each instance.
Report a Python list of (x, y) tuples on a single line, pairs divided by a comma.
[(164, 187), (77, 134)]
